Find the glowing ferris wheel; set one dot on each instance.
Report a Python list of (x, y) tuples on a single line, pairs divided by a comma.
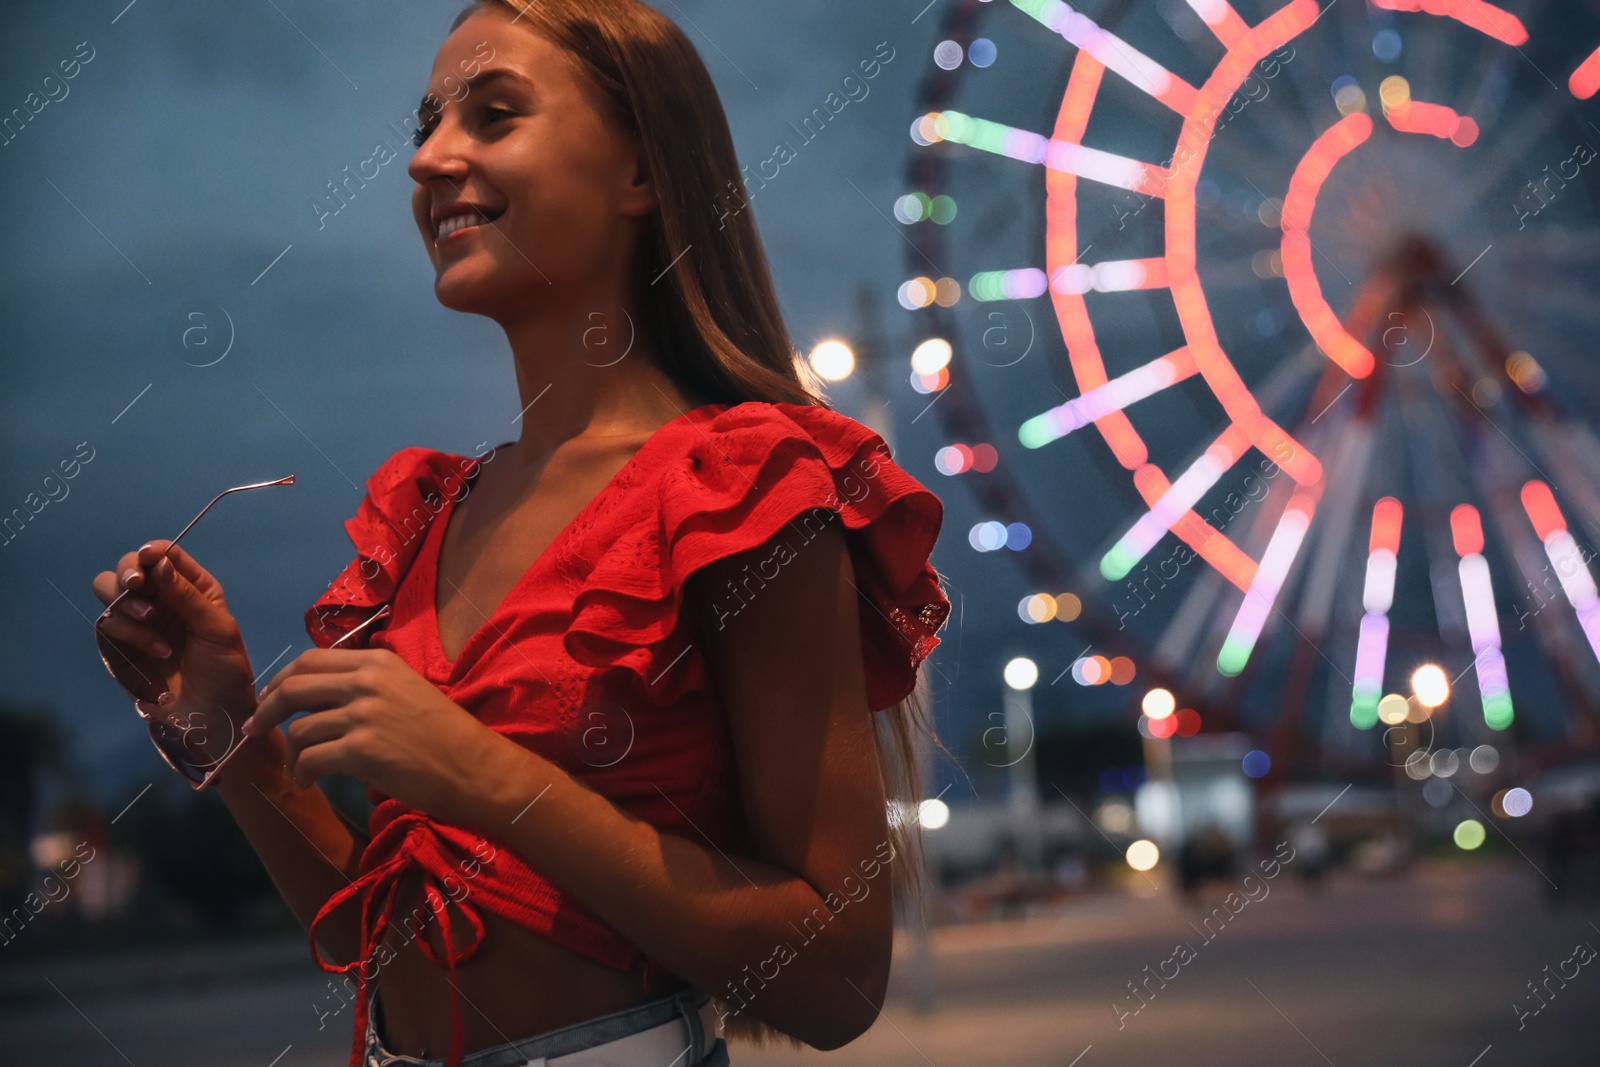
[(1367, 441)]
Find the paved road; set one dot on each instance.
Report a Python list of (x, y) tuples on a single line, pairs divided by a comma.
[(1421, 971)]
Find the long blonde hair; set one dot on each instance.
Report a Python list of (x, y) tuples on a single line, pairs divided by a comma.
[(718, 316)]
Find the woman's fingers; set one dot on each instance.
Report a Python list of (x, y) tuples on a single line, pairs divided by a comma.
[(204, 617), (151, 553), (302, 691), (313, 730), (317, 661), (146, 639)]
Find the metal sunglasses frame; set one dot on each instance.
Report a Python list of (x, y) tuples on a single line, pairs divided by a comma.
[(168, 738)]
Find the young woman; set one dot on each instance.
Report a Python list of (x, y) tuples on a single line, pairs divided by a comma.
[(611, 686)]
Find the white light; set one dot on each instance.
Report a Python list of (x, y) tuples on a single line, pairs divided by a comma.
[(1484, 759), (1430, 685), (833, 361), (1143, 855), (1517, 802), (1158, 704), (933, 813), (931, 356), (1021, 673)]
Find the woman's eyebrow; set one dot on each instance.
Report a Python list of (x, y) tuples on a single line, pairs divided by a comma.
[(479, 79)]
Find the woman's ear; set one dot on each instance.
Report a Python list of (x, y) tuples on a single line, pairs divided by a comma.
[(639, 198)]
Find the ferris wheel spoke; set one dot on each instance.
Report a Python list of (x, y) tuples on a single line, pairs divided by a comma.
[(1222, 20), (1112, 52)]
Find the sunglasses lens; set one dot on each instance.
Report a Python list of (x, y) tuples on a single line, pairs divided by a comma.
[(170, 741), (141, 681)]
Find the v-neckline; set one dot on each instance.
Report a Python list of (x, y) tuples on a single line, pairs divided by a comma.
[(430, 570)]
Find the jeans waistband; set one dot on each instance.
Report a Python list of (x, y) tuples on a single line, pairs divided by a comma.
[(558, 1042)]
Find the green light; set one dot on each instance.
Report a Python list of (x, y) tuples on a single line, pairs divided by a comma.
[(1118, 562), (1035, 432), (1364, 711), (1234, 655), (1469, 834), (1497, 712), (942, 210)]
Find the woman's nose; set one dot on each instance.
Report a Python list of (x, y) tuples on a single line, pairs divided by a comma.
[(440, 155)]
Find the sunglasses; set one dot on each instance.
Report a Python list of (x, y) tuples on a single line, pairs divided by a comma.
[(171, 739)]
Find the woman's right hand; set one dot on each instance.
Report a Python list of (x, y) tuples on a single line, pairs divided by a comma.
[(174, 626)]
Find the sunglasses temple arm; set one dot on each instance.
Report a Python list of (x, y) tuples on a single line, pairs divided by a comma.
[(236, 489)]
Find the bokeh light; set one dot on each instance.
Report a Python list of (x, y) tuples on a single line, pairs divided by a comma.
[(1143, 855), (1469, 834)]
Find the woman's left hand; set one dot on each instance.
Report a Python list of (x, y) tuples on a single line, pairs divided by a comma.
[(376, 719)]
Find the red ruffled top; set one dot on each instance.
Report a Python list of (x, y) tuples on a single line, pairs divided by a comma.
[(587, 661)]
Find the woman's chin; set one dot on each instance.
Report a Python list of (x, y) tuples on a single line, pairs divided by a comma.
[(460, 290)]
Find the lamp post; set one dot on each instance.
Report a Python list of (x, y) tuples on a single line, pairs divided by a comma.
[(1017, 697)]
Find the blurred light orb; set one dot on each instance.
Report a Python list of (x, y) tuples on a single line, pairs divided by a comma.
[(1122, 670), (1018, 536), (1068, 607), (982, 52), (833, 361), (1256, 763), (1430, 685), (933, 813), (1392, 709), (1469, 834), (1517, 802), (1037, 608), (1188, 722), (984, 457), (1484, 759), (987, 536), (1143, 855), (931, 356), (1115, 816), (1386, 45), (1417, 766), (1159, 703), (1021, 673), (1444, 763), (1437, 792), (1394, 92), (948, 55)]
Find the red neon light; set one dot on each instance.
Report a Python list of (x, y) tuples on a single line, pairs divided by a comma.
[(1500, 24), (1184, 280), (1540, 504), (1298, 268), (1386, 514), (1467, 530), (1417, 116), (1585, 81)]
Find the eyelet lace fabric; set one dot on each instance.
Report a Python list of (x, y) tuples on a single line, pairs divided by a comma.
[(588, 662)]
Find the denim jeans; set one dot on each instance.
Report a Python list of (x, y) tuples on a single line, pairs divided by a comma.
[(553, 1043)]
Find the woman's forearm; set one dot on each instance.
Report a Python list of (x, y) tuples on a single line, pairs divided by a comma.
[(741, 929), (308, 849)]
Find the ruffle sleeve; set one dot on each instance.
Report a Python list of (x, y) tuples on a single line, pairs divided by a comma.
[(745, 475), (404, 495)]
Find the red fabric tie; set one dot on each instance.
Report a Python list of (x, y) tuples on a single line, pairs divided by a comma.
[(419, 846)]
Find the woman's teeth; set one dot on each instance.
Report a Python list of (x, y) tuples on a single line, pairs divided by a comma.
[(456, 222)]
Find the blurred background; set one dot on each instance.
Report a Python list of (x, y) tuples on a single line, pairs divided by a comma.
[(1250, 346)]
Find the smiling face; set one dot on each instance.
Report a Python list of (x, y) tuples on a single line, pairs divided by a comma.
[(527, 190)]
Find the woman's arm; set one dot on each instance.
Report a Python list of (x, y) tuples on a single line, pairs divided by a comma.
[(788, 669), (310, 850)]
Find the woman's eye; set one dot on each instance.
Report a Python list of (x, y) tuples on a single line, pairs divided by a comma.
[(496, 111)]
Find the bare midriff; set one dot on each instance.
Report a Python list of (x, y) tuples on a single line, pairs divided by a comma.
[(516, 985)]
